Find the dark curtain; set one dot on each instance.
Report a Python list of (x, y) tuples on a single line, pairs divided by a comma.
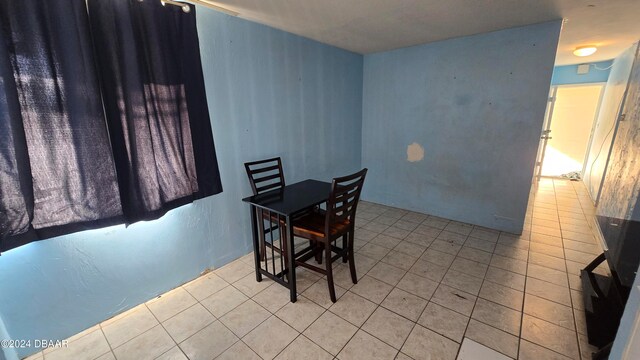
[(103, 116), (155, 102), (57, 174)]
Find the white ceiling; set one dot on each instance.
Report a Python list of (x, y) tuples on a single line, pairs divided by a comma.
[(368, 26)]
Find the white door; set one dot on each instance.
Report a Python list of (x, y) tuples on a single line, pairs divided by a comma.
[(571, 120)]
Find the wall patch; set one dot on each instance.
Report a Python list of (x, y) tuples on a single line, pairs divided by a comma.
[(415, 152)]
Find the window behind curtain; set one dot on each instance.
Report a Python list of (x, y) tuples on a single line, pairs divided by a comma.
[(156, 107), (56, 170), (73, 159)]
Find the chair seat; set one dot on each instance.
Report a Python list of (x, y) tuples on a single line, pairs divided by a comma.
[(311, 226)]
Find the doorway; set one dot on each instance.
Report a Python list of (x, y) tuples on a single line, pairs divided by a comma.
[(568, 129)]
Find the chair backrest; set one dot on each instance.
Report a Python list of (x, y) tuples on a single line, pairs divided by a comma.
[(344, 197), (265, 175)]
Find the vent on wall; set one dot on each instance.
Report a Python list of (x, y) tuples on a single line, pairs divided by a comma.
[(583, 69)]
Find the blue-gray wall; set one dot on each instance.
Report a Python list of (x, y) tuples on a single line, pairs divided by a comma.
[(604, 130), (4, 335), (568, 74), (270, 93), (476, 105)]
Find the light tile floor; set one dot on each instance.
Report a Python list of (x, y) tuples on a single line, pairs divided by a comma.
[(429, 288)]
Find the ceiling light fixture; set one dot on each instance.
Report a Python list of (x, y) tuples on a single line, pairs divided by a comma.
[(585, 50)]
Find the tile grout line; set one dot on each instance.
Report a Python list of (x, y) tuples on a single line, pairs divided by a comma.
[(272, 314), (300, 333), (525, 289), (526, 276), (474, 307), (573, 315), (568, 288), (377, 305), (476, 296), (218, 318), (568, 285), (414, 323), (240, 339), (108, 342), (165, 329), (466, 328), (105, 339), (488, 265)]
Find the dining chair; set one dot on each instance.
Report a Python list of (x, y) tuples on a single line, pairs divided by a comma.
[(325, 228), (267, 175)]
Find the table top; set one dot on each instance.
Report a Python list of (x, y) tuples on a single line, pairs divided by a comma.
[(292, 198)]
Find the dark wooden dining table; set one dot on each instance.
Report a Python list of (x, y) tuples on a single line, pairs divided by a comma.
[(283, 205)]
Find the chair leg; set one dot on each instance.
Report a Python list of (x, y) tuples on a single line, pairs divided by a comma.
[(261, 235), (318, 252), (284, 244), (345, 247), (352, 263), (332, 289)]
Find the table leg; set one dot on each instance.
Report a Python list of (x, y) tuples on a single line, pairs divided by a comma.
[(256, 243), (292, 261)]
